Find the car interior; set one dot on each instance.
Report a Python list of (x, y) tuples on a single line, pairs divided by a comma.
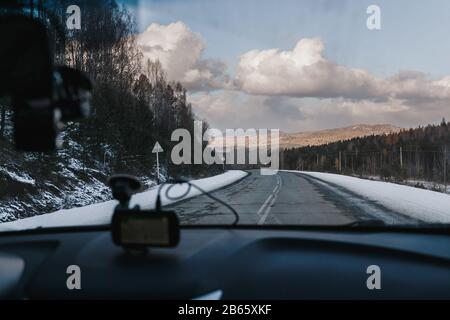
[(222, 231)]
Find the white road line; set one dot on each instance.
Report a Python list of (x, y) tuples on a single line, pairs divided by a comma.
[(270, 201)]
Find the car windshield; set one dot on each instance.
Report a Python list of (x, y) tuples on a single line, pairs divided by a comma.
[(294, 113)]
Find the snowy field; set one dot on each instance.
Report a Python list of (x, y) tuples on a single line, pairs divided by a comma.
[(426, 205), (100, 213)]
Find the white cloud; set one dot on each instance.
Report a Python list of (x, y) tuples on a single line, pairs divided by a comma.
[(305, 72), (294, 90), (180, 52), (233, 109)]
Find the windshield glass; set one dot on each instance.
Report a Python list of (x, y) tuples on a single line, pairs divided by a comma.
[(312, 112)]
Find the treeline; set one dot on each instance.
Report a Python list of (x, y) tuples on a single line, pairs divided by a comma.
[(420, 154), (134, 105)]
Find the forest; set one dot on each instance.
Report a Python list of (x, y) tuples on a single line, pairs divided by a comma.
[(133, 104), (421, 154)]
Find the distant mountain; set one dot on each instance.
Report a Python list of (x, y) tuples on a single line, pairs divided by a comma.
[(315, 138)]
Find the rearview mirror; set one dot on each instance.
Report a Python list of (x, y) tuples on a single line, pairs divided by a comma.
[(26, 72), (73, 93), (26, 66), (43, 97)]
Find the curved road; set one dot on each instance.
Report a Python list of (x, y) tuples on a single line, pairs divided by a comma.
[(285, 198)]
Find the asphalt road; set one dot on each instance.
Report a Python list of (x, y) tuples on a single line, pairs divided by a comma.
[(285, 198)]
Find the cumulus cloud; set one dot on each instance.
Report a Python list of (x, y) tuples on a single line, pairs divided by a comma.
[(180, 52), (293, 90), (305, 72), (233, 109)]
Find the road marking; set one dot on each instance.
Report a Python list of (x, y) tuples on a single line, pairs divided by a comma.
[(270, 201)]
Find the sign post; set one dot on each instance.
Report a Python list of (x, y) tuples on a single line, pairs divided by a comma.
[(157, 149)]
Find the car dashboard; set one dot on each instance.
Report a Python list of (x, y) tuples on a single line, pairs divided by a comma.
[(239, 263)]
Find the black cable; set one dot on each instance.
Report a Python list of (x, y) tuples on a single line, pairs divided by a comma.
[(190, 185)]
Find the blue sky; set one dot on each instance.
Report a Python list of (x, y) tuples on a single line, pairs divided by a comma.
[(415, 34), (325, 69)]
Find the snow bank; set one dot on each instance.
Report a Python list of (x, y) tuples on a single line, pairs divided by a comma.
[(426, 205), (100, 213)]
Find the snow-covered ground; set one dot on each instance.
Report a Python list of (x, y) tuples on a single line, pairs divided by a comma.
[(428, 185), (24, 178), (100, 213), (71, 188), (417, 183), (426, 205)]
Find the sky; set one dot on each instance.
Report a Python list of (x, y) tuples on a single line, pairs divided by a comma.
[(300, 65)]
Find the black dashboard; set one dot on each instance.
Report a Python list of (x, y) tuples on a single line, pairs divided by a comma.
[(240, 263)]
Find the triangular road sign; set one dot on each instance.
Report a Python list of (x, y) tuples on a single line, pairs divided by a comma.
[(157, 148)]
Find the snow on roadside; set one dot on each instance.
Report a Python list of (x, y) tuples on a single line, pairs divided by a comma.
[(100, 213), (24, 178), (426, 205)]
